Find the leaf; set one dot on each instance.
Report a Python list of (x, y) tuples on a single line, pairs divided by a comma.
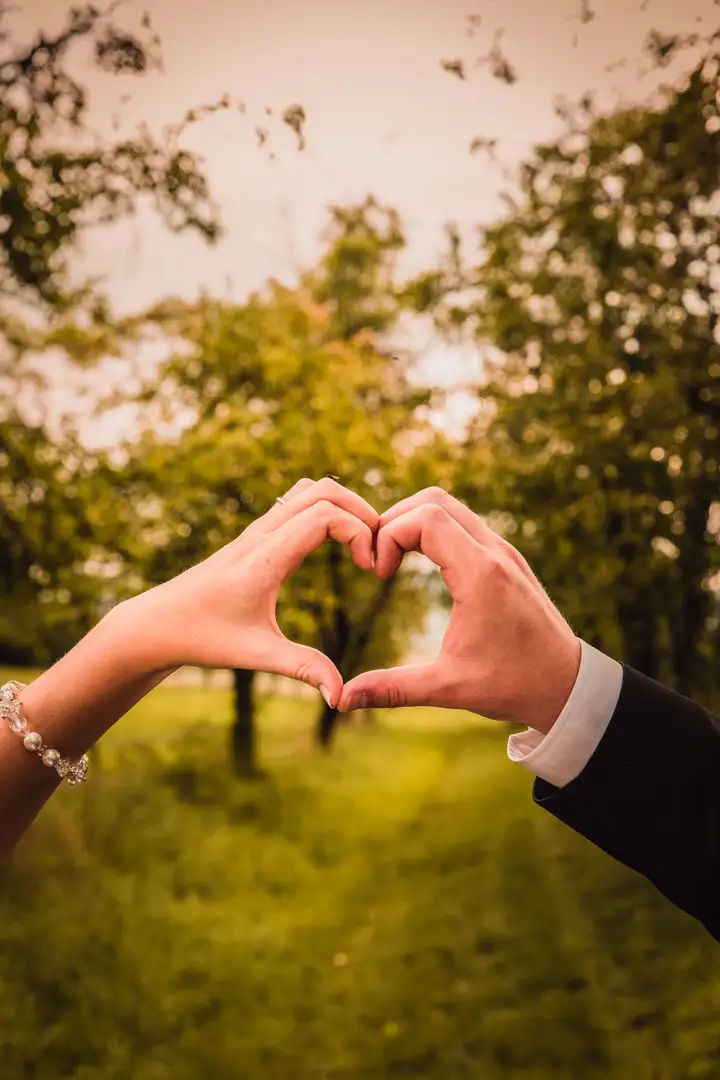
[(498, 64), (587, 14), (53, 191), (294, 116), (482, 142), (454, 67)]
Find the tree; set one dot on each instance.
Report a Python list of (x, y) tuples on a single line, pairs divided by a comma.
[(55, 180), (601, 289), (44, 531), (295, 382), (695, 31)]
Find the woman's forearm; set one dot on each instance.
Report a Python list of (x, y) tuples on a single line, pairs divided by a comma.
[(217, 614), (71, 705)]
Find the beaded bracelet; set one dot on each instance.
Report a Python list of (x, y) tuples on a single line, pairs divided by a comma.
[(75, 772)]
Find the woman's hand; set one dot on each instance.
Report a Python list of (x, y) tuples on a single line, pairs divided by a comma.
[(221, 613)]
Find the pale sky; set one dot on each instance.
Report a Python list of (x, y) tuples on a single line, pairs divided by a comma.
[(382, 118)]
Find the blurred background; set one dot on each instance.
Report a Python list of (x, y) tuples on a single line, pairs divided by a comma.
[(407, 243)]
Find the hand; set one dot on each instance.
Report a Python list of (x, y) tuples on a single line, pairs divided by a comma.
[(221, 613), (507, 654)]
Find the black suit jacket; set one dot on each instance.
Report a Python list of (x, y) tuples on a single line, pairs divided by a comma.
[(650, 795)]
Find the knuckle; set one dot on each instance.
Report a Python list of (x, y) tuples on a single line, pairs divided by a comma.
[(360, 534), (497, 569), (298, 487), (506, 551), (302, 673), (396, 698), (328, 484), (517, 559), (506, 547), (436, 513), (436, 494), (325, 509), (514, 558)]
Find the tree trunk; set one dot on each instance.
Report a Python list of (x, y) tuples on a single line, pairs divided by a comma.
[(686, 634), (349, 644), (326, 726), (636, 608), (688, 624), (639, 633), (336, 644), (242, 733)]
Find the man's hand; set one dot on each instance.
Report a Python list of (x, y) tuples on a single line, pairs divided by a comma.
[(507, 654)]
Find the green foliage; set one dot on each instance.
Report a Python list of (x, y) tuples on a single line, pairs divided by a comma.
[(600, 287), (49, 516), (294, 383), (56, 179), (51, 186), (398, 909)]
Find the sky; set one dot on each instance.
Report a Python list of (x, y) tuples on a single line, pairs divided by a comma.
[(383, 117)]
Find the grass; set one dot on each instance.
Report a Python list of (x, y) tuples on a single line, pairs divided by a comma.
[(398, 908)]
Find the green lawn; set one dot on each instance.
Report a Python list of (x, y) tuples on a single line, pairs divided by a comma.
[(398, 908)]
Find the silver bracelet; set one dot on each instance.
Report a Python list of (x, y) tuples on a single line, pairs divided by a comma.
[(75, 772)]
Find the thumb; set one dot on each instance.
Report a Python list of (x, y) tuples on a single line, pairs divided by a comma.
[(413, 684), (307, 665)]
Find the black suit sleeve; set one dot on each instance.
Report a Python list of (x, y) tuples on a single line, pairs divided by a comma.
[(650, 795)]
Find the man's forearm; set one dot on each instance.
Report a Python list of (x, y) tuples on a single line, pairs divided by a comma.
[(650, 795)]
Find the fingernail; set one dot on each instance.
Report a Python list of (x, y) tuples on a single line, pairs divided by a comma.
[(326, 694)]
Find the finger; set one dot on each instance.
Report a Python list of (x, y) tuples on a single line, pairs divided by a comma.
[(308, 492), (433, 531), (464, 516), (437, 495), (283, 550), (285, 657), (298, 486), (249, 536), (328, 489), (413, 684)]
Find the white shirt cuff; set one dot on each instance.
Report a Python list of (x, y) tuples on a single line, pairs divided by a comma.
[(563, 753)]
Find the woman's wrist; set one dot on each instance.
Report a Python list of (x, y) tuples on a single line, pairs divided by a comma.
[(144, 631), (76, 700), (69, 707)]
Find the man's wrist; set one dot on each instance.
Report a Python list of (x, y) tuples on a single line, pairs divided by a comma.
[(563, 753), (557, 687)]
